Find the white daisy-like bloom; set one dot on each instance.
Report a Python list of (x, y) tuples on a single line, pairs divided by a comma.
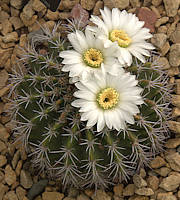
[(110, 101), (88, 56), (126, 31)]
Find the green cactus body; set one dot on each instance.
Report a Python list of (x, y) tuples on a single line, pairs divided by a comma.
[(60, 143)]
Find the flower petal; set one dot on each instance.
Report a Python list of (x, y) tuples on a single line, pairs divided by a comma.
[(100, 122)]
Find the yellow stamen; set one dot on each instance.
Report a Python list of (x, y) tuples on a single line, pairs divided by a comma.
[(121, 37), (107, 98), (93, 58)]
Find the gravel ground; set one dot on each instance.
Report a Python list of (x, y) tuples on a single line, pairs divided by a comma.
[(17, 24)]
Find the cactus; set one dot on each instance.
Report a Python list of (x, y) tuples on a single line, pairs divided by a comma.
[(60, 144)]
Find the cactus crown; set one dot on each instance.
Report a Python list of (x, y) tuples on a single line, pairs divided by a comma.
[(60, 143)]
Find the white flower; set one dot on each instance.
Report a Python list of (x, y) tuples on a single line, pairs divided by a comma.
[(126, 31), (111, 100), (88, 57)]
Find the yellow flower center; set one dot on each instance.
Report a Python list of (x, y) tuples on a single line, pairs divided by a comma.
[(107, 98), (121, 37), (93, 58)]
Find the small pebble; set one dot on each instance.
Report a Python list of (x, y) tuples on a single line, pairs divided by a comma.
[(25, 179), (10, 175)]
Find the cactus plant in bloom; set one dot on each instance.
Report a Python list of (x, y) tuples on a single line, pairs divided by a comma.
[(126, 112)]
